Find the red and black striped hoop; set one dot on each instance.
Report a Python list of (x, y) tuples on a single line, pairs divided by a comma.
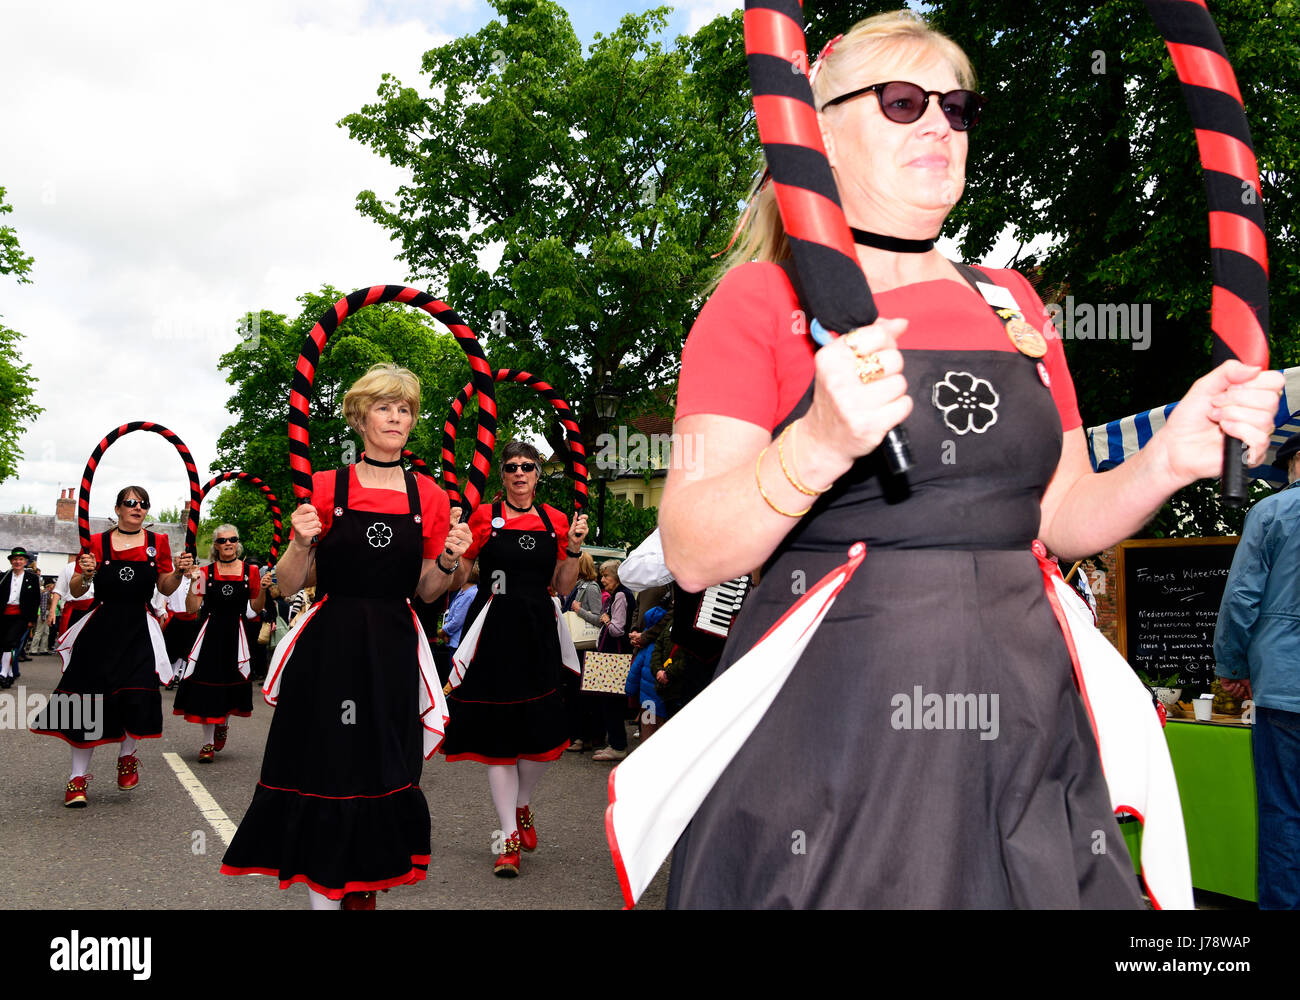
[(271, 501), (1238, 247), (577, 462), (822, 244), (88, 477), (830, 277), (305, 373)]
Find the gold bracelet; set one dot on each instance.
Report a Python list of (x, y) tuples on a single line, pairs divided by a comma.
[(763, 493), (792, 477)]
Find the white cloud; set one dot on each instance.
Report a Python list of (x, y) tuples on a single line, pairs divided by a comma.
[(171, 166), (701, 12)]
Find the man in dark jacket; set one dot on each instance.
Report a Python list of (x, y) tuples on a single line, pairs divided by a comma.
[(20, 592)]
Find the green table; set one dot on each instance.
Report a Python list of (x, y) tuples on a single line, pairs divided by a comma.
[(1216, 785)]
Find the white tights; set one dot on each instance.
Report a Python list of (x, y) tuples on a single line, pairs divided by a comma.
[(320, 901), (81, 757), (512, 786)]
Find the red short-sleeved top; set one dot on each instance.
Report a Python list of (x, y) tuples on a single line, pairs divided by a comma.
[(748, 355), (435, 508), (137, 553), (254, 578), (480, 526)]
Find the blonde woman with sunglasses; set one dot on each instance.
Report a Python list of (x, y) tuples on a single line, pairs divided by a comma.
[(216, 679), (854, 790)]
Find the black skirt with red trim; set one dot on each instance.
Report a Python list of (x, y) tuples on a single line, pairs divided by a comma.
[(111, 674), (216, 689), (339, 806), (509, 706)]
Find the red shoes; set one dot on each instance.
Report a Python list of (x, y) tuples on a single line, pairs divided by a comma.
[(220, 742), (507, 865), (207, 754), (358, 901), (527, 832), (75, 797), (128, 772)]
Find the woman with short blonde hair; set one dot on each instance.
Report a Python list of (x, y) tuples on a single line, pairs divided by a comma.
[(359, 708)]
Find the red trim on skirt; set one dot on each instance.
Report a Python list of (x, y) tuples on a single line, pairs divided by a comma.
[(96, 743), (411, 877), (216, 720), (542, 758), (335, 798)]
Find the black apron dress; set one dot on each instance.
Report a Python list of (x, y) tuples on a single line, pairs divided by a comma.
[(853, 791), (113, 656), (339, 806), (216, 690), (509, 705)]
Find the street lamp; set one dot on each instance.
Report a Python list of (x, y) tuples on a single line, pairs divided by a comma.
[(607, 401)]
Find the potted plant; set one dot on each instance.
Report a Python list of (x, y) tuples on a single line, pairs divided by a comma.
[(1166, 687)]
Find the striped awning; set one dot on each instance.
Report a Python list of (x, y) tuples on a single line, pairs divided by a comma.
[(1111, 443)]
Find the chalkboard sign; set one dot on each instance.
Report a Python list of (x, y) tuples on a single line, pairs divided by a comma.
[(1168, 603)]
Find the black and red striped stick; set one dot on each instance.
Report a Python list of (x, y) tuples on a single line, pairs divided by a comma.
[(88, 477), (271, 501), (305, 373), (833, 283), (1238, 249), (573, 437)]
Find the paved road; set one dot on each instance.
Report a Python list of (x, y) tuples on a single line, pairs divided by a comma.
[(152, 848)]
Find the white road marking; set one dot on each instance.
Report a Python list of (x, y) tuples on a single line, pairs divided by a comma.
[(212, 812)]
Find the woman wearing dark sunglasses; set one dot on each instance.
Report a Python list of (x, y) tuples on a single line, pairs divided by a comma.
[(506, 706), (847, 794), (114, 657), (216, 678)]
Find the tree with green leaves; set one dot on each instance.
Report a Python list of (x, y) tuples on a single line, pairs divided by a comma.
[(261, 370), (17, 387), (605, 180)]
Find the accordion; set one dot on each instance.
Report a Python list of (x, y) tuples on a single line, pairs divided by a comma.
[(719, 606)]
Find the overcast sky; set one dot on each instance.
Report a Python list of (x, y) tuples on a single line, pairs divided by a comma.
[(172, 165)]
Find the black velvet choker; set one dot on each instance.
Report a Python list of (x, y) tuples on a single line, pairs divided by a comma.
[(227, 562), (136, 532), (891, 242), (519, 510), (381, 465)]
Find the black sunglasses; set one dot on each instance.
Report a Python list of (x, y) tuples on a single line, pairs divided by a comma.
[(519, 466), (131, 503), (224, 541), (905, 103)]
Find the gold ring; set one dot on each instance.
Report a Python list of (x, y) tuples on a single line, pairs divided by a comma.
[(869, 367)]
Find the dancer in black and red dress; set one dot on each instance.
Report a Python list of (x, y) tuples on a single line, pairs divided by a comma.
[(892, 802), (215, 681), (114, 657), (338, 806), (506, 707)]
